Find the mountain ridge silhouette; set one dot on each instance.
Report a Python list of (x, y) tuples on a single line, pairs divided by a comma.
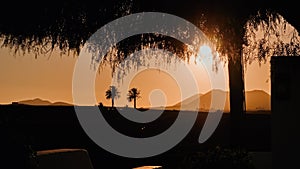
[(256, 100), (42, 102)]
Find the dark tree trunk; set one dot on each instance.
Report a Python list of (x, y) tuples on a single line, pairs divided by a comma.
[(237, 99), (134, 103), (112, 103)]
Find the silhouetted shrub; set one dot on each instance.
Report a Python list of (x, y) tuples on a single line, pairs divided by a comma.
[(218, 158)]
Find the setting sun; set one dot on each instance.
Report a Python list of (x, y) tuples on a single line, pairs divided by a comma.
[(205, 50)]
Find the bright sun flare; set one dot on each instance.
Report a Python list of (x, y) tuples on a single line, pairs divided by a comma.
[(205, 50)]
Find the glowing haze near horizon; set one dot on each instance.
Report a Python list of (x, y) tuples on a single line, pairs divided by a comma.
[(50, 78)]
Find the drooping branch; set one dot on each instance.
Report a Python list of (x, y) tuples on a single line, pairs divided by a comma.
[(269, 35), (65, 25), (39, 28)]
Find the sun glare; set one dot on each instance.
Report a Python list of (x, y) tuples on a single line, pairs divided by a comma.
[(205, 50)]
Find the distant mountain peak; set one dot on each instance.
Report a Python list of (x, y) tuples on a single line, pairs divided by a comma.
[(41, 102), (258, 91), (255, 100)]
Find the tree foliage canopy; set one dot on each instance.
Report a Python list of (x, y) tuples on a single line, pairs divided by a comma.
[(40, 27), (133, 93)]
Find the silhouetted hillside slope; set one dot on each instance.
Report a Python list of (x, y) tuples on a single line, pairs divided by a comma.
[(256, 100)]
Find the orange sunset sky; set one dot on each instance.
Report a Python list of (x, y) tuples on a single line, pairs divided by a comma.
[(49, 77)]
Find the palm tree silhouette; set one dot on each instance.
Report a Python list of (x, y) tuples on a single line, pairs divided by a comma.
[(133, 94), (112, 93)]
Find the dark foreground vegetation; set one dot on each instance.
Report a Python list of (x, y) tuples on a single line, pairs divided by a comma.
[(27, 129)]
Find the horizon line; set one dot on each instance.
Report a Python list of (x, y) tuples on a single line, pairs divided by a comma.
[(52, 103)]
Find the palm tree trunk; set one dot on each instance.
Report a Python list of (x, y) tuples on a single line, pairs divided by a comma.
[(112, 103), (134, 103), (237, 99)]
